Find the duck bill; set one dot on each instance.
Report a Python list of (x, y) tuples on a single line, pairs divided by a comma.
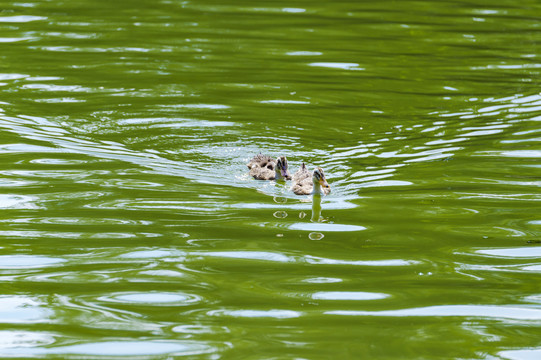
[(285, 173), (324, 184)]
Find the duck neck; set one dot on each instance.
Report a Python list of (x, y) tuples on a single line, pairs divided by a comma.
[(278, 175), (317, 189)]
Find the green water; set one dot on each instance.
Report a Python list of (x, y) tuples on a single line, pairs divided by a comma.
[(130, 228)]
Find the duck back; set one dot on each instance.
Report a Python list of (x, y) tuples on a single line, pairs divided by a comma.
[(302, 181), (262, 167)]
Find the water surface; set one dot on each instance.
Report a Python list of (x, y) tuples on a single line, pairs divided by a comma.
[(130, 227)]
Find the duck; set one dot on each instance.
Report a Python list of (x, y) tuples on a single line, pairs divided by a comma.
[(264, 167), (304, 181)]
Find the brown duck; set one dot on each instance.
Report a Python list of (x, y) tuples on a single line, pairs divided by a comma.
[(263, 167), (310, 183)]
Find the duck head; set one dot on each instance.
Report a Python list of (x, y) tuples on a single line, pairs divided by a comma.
[(319, 180), (281, 169)]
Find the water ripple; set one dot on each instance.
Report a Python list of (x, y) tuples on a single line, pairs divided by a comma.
[(27, 261), (255, 314), (10, 339), (18, 201), (337, 65), (348, 295), (276, 257), (326, 227), (20, 18), (513, 312), (22, 309), (117, 348), (153, 298), (523, 252), (524, 354)]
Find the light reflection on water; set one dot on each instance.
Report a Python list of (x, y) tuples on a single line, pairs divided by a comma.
[(254, 314), (116, 348), (347, 295), (153, 298), (27, 261), (22, 309), (525, 252), (529, 354), (483, 311)]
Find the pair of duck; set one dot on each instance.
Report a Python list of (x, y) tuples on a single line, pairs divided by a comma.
[(263, 167)]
